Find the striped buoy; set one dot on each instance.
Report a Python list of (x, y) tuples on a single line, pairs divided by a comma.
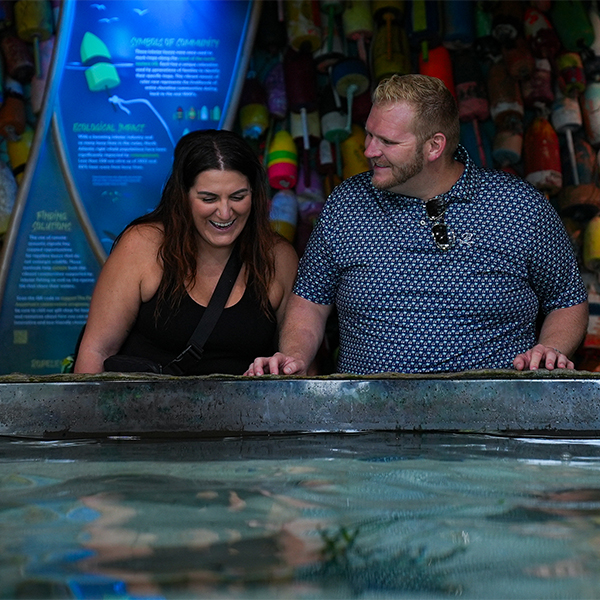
[(282, 161)]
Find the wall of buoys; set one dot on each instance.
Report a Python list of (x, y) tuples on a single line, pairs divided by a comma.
[(525, 73)]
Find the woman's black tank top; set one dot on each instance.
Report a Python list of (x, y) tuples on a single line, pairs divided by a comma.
[(242, 333)]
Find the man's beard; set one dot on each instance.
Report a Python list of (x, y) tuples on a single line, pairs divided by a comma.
[(400, 174)]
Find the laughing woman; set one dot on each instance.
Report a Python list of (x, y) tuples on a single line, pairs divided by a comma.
[(160, 276)]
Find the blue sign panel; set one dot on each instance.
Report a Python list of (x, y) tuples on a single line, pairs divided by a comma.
[(128, 79)]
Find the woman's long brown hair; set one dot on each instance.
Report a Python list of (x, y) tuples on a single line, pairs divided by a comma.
[(197, 152)]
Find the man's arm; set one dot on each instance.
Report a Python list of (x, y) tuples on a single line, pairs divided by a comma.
[(300, 336), (562, 332)]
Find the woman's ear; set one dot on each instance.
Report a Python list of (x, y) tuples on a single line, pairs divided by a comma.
[(434, 147)]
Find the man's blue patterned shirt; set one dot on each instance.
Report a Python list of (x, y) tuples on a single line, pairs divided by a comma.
[(406, 306)]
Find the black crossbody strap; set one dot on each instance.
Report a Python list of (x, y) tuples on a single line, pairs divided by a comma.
[(193, 353)]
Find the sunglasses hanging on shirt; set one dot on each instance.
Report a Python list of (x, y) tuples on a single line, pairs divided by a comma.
[(443, 238)]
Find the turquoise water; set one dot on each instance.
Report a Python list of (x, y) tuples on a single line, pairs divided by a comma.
[(376, 515)]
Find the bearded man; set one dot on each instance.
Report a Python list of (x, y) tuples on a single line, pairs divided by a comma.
[(433, 263)]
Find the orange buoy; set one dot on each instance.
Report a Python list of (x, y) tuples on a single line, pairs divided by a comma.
[(541, 156)]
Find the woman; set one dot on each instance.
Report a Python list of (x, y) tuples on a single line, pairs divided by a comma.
[(164, 267)]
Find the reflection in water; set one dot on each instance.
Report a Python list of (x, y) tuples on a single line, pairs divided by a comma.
[(377, 515)]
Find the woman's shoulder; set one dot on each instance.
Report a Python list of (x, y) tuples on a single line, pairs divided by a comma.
[(144, 237)]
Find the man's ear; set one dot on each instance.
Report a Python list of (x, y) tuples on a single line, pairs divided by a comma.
[(434, 147)]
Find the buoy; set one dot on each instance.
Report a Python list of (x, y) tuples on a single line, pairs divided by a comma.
[(18, 60), (541, 156), (438, 64), (353, 153), (424, 25), (519, 60), (590, 106), (18, 152), (358, 25), (253, 111), (303, 30), (8, 194), (283, 214), (566, 119), (506, 110), (299, 126), (301, 89), (591, 57), (459, 24), (540, 34), (487, 47), (271, 34), (478, 146), (275, 89), (537, 90), (591, 245), (34, 22), (389, 51), (282, 161), (332, 47), (13, 118), (570, 74), (472, 100), (333, 122), (350, 78), (572, 24), (388, 15)]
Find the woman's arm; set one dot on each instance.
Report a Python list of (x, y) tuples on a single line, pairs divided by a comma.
[(286, 267), (130, 276)]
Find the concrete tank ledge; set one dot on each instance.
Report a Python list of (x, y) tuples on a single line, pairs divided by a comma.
[(551, 403)]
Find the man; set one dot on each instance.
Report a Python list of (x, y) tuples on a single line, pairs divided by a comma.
[(434, 264)]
